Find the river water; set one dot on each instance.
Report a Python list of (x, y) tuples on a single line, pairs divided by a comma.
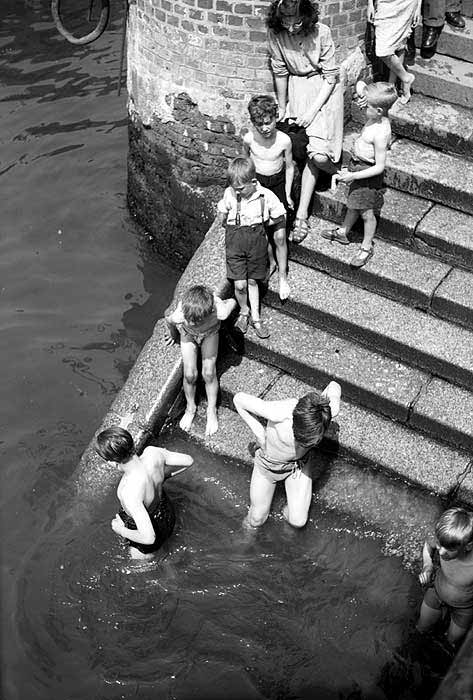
[(321, 614)]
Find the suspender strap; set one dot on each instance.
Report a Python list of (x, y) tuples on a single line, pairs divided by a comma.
[(237, 216), (261, 201)]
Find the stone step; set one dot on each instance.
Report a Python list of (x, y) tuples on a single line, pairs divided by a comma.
[(357, 434), (371, 379), (457, 43), (432, 122), (432, 230), (425, 172), (393, 271), (446, 78), (380, 324)]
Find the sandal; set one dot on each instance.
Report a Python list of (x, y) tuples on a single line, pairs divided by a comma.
[(260, 329), (335, 234), (242, 322), (361, 257), (300, 230)]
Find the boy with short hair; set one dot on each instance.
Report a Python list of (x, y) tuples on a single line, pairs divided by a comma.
[(453, 584), (146, 518), (246, 209), (197, 319), (365, 170), (271, 152)]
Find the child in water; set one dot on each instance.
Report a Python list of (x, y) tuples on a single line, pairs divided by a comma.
[(271, 152), (365, 170), (246, 209), (452, 587), (197, 319)]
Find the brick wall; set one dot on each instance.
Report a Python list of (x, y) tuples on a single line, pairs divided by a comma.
[(192, 67)]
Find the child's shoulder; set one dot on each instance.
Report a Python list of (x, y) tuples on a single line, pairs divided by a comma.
[(248, 136), (282, 138)]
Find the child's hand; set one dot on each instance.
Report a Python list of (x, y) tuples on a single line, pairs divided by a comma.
[(345, 176), (425, 575), (168, 339)]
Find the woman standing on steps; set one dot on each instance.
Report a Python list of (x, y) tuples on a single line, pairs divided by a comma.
[(308, 90), (395, 21)]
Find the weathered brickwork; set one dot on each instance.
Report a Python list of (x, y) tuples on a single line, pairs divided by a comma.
[(192, 67)]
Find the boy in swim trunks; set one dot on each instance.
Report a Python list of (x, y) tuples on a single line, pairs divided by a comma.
[(293, 428), (245, 210), (271, 152), (146, 518), (197, 319), (452, 587), (365, 170)]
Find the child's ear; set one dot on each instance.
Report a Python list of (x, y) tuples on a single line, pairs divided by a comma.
[(380, 111)]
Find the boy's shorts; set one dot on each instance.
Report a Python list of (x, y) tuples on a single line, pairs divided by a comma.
[(462, 617), (276, 183), (247, 252), (367, 193)]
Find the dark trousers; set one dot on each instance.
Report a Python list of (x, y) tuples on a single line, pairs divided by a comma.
[(433, 11)]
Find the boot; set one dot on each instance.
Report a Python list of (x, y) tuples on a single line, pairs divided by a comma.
[(430, 36), (455, 20)]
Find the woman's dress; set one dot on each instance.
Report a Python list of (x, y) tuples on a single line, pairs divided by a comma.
[(309, 60), (393, 20)]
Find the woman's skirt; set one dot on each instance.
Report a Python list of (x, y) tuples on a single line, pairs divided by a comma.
[(393, 22)]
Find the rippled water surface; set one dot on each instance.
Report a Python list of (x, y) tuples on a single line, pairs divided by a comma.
[(317, 614)]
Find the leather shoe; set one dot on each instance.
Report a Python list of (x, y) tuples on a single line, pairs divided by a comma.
[(430, 36), (410, 54), (455, 20)]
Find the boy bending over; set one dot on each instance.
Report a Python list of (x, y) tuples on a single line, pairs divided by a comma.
[(365, 170), (271, 152), (197, 319), (293, 428)]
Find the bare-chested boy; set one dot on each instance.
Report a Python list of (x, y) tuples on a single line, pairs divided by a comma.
[(146, 518), (293, 427), (271, 152)]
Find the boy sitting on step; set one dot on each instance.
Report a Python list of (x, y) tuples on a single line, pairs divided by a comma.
[(246, 209), (366, 169), (451, 587), (271, 152), (197, 319)]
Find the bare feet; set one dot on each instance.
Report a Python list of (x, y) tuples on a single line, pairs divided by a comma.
[(212, 422), (406, 88), (284, 289), (186, 420)]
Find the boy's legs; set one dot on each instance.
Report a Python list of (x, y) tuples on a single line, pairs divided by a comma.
[(209, 351), (428, 617), (261, 496), (299, 496), (365, 251), (281, 255), (455, 633), (189, 352)]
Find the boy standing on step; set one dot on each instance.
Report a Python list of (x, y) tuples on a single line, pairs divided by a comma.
[(366, 169), (271, 152), (246, 209)]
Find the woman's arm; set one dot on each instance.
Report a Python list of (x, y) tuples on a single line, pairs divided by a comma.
[(281, 94)]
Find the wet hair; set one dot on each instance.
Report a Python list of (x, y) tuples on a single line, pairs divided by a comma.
[(382, 95), (310, 419), (307, 10), (262, 106), (115, 444), (197, 303), (241, 171), (454, 529)]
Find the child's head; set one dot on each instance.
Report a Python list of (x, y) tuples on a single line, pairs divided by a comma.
[(263, 111), (115, 444), (381, 97), (454, 532), (197, 303), (242, 176), (310, 419)]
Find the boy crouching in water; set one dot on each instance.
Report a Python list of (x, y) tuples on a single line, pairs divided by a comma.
[(271, 152), (197, 319), (452, 587), (146, 518), (246, 209), (365, 170), (293, 428)]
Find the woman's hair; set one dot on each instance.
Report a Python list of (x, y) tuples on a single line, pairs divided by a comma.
[(115, 444), (310, 419), (197, 303), (308, 12), (241, 171), (382, 95), (454, 528), (262, 106)]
